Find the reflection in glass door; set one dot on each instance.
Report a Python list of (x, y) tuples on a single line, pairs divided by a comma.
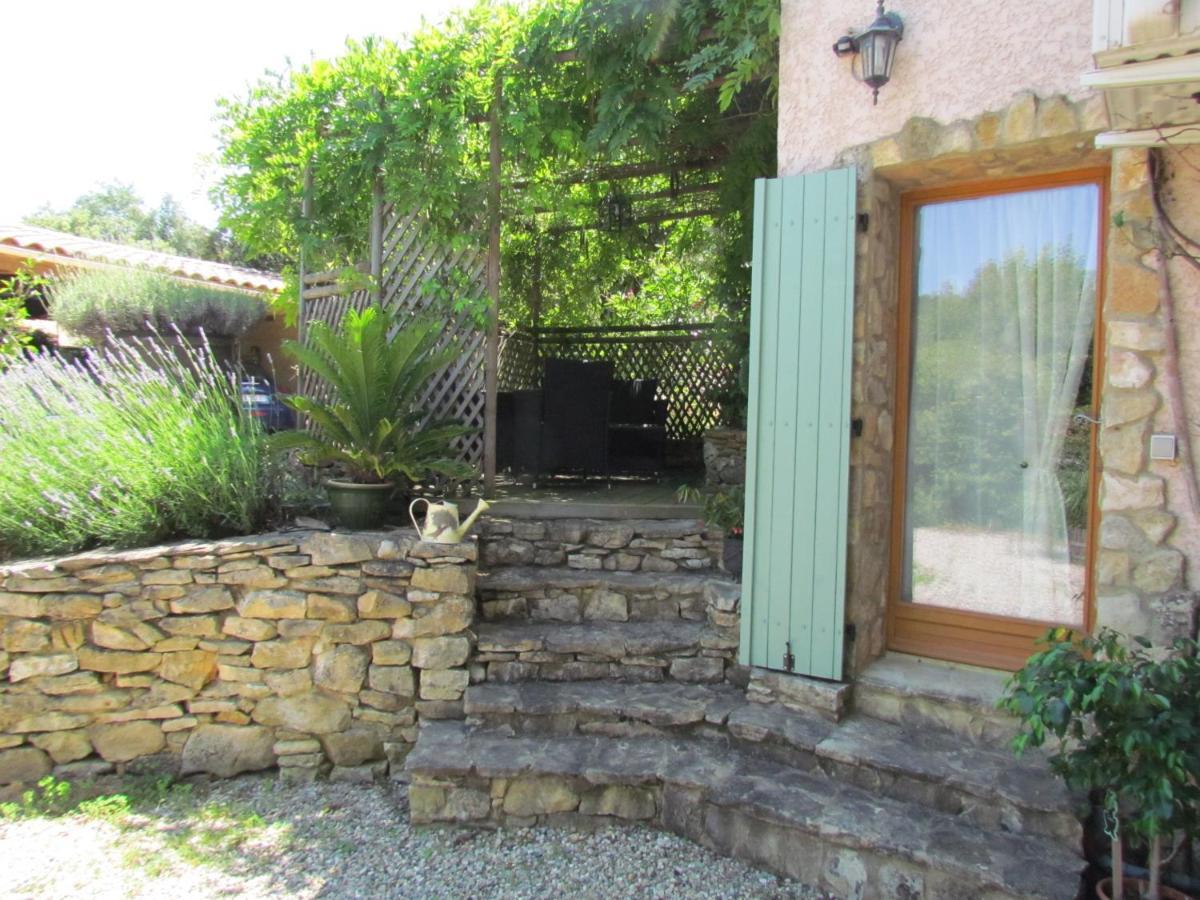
[(997, 479)]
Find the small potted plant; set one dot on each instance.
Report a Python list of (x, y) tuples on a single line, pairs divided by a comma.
[(368, 419), (723, 508), (1127, 724)]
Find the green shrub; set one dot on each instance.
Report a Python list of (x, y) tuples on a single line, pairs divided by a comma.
[(142, 443), (94, 301)]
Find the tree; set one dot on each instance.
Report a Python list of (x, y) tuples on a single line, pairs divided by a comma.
[(15, 292), (115, 212)]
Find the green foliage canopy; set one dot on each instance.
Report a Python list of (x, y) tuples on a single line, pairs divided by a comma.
[(583, 84)]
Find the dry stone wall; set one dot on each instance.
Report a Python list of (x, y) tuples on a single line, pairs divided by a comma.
[(310, 651), (724, 458)]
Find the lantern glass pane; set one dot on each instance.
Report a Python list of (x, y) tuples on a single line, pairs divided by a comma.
[(876, 51)]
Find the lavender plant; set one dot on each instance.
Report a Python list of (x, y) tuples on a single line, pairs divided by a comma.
[(93, 301), (143, 442)]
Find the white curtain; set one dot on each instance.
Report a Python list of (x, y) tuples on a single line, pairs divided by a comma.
[(1002, 335)]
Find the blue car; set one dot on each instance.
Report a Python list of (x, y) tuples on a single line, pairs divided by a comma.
[(260, 400)]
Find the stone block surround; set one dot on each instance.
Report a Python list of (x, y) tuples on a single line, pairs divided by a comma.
[(310, 651)]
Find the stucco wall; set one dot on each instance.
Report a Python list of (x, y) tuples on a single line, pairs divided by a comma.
[(958, 59)]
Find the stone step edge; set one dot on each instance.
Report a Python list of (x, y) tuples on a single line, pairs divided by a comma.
[(910, 690), (749, 722), (501, 636), (452, 749), (527, 577)]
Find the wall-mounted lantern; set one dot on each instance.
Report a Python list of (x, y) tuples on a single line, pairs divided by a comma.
[(876, 48), (616, 212)]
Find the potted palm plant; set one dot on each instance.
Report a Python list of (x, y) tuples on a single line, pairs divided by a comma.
[(1127, 724), (368, 419)]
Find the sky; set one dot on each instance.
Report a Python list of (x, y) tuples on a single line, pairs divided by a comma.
[(126, 90), (958, 237)]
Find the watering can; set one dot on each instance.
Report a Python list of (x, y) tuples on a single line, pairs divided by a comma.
[(441, 521)]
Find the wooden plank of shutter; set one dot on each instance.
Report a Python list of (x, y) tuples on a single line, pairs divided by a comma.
[(798, 428)]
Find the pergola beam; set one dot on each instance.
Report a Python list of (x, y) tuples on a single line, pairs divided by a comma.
[(491, 370), (644, 220), (627, 170)]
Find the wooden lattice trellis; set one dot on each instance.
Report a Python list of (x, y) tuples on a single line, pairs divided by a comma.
[(689, 362), (416, 272)]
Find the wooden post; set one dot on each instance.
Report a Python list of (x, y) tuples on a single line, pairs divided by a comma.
[(535, 303), (306, 214), (491, 370), (377, 237)]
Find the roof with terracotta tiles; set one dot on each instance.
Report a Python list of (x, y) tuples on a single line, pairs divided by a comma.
[(45, 245)]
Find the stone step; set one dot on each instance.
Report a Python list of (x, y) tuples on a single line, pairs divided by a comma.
[(625, 651), (986, 788), (917, 692), (680, 543), (572, 595), (803, 825)]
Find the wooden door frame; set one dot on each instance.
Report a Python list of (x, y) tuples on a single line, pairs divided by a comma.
[(959, 635)]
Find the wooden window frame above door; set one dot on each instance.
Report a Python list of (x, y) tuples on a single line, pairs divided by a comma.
[(959, 635)]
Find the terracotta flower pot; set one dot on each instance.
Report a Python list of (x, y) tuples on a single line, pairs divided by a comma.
[(358, 506), (1140, 886)]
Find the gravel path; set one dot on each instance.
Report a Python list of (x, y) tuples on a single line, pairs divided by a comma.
[(256, 837)]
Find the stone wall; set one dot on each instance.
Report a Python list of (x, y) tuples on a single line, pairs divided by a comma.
[(872, 401), (610, 545), (310, 651), (724, 458), (1148, 531)]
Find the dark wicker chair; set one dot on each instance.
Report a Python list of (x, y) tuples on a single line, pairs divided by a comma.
[(574, 432), (637, 429)]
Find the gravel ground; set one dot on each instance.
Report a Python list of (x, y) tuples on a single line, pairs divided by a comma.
[(255, 837)]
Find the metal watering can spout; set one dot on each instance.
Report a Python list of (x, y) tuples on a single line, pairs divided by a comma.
[(479, 510)]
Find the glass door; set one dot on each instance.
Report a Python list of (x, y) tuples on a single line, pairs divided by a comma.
[(997, 403)]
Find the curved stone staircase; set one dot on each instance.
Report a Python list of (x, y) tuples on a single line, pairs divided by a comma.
[(614, 696)]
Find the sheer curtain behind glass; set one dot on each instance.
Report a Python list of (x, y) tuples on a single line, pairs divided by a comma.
[(997, 469)]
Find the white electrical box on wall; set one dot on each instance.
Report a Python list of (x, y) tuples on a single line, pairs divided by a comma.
[(1162, 446)]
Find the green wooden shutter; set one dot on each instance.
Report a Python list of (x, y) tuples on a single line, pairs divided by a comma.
[(798, 432)]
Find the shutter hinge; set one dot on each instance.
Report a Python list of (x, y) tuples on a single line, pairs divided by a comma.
[(789, 660), (864, 223), (856, 427)]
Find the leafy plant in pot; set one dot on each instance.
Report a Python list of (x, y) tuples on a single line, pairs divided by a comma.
[(1127, 722), (368, 420), (723, 508)]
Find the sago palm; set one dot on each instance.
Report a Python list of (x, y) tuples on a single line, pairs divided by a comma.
[(374, 368)]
